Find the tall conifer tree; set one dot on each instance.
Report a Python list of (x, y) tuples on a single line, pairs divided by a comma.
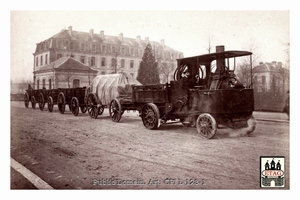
[(148, 70)]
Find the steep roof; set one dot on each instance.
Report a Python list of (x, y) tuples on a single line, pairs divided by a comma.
[(92, 37), (66, 63)]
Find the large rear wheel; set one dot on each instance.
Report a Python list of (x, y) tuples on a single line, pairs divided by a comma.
[(150, 116), (206, 125)]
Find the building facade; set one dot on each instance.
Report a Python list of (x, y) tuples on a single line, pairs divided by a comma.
[(66, 72), (103, 53), (271, 85)]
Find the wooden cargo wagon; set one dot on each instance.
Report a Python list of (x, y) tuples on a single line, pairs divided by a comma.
[(112, 91)]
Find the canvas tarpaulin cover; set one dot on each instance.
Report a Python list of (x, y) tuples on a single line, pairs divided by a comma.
[(110, 86)]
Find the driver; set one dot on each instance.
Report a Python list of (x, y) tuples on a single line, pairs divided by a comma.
[(185, 82)]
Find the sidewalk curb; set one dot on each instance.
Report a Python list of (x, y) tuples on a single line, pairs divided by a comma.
[(273, 120)]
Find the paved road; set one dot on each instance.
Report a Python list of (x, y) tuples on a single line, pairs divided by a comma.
[(71, 152)]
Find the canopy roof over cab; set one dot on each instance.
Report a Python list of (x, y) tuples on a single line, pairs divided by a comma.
[(213, 56), (110, 86)]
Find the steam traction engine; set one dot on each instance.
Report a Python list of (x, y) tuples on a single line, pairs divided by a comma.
[(214, 95)]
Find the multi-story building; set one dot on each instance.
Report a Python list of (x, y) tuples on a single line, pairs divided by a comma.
[(271, 86), (103, 53)]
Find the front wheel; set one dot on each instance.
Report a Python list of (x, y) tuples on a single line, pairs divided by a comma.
[(33, 102), (41, 101), (92, 105), (61, 103), (50, 104), (150, 116), (206, 125), (74, 106), (26, 99), (115, 110)]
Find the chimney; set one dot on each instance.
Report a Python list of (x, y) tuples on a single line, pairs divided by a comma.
[(91, 33), (70, 30), (162, 42), (274, 63), (121, 37), (220, 59), (102, 34), (147, 39), (138, 39)]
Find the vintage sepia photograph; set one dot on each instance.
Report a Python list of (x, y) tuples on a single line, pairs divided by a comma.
[(150, 99)]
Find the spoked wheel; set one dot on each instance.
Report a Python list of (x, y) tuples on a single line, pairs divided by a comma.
[(33, 102), (26, 99), (61, 103), (50, 104), (83, 109), (206, 125), (92, 105), (74, 106), (150, 116), (115, 110), (41, 101)]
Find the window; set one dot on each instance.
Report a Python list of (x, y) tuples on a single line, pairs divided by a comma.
[(82, 59), (131, 64), (59, 56), (46, 59), (103, 49), (50, 84), (38, 84), (103, 62), (60, 44), (82, 47), (202, 72), (263, 81), (113, 62), (66, 44), (92, 61), (140, 52), (36, 61), (93, 48), (76, 83), (41, 60), (113, 49), (122, 50), (122, 63)]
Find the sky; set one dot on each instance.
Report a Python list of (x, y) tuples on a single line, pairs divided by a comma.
[(187, 31)]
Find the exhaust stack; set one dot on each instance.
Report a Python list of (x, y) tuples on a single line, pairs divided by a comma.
[(220, 59)]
